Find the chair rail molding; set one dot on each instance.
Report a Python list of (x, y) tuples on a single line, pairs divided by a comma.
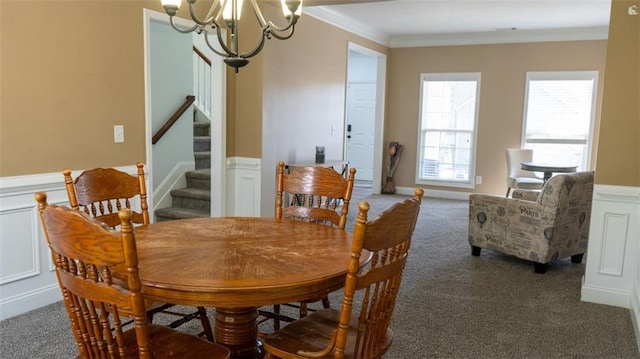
[(611, 274), (27, 277)]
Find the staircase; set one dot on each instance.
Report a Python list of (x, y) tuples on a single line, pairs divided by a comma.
[(194, 201)]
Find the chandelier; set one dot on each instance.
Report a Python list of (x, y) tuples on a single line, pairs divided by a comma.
[(226, 14)]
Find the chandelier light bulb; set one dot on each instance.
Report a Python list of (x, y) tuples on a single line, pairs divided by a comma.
[(291, 7), (228, 11), (171, 6)]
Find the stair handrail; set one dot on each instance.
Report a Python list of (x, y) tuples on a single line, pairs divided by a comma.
[(202, 56), (167, 125)]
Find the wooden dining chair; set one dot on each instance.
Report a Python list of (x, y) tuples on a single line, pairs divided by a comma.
[(101, 193), (344, 333), (315, 194), (97, 270)]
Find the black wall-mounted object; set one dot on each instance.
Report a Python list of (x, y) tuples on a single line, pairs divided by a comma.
[(319, 154)]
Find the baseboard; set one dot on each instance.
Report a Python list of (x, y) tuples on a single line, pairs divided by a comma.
[(408, 191), (608, 296), (29, 301)]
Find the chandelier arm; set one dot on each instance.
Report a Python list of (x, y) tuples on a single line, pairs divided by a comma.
[(184, 31), (208, 19), (218, 16), (258, 13), (285, 37), (258, 47), (227, 52), (292, 21)]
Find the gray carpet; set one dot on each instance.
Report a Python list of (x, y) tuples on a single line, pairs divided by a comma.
[(451, 305)]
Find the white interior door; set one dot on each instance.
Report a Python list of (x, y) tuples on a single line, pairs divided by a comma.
[(361, 111)]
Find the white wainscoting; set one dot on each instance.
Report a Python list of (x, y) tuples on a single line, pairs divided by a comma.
[(243, 186), (611, 275), (27, 279), (635, 309)]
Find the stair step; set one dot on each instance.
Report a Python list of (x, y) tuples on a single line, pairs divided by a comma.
[(195, 200), (203, 159), (169, 213), (202, 143), (201, 128), (200, 179), (192, 198)]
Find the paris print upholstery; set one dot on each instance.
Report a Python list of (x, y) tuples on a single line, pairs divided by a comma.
[(536, 226)]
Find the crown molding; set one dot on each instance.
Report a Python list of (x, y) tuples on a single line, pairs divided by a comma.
[(334, 18), (502, 37), (331, 17)]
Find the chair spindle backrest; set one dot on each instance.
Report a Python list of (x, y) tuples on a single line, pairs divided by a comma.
[(314, 194), (102, 192), (388, 238), (97, 270)]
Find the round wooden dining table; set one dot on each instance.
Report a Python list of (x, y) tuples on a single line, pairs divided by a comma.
[(237, 264)]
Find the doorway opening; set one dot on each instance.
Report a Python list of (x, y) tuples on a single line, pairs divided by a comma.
[(170, 158), (364, 115)]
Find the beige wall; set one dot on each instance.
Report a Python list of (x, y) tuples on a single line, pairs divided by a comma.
[(244, 119), (67, 81), (244, 115), (70, 71), (303, 96), (304, 90), (62, 89), (619, 147), (503, 68)]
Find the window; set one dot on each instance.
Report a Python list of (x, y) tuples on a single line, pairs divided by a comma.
[(559, 116), (447, 129)]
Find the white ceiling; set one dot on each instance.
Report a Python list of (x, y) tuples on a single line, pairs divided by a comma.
[(399, 23)]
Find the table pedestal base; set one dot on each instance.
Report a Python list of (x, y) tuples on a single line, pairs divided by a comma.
[(237, 329)]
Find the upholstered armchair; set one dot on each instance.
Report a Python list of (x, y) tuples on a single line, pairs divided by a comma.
[(536, 226)]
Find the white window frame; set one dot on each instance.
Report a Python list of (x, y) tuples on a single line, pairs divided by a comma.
[(459, 76), (564, 75)]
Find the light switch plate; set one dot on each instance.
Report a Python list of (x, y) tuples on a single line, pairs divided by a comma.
[(118, 133)]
